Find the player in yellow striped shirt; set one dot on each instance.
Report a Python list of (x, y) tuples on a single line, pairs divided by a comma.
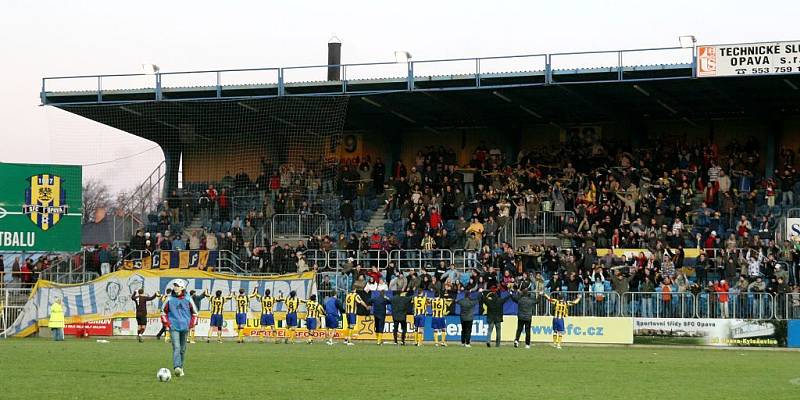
[(313, 312), (267, 316), (560, 311), (420, 303), (242, 302), (351, 302), (439, 308), (292, 304), (216, 305)]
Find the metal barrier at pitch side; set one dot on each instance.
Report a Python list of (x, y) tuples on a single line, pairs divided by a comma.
[(12, 302), (787, 306), (591, 304), (713, 305), (659, 305)]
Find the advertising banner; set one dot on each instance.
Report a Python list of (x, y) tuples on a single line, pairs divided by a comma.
[(174, 259), (793, 333), (610, 330), (110, 295), (480, 329), (770, 58), (713, 332), (90, 328), (40, 207), (792, 228)]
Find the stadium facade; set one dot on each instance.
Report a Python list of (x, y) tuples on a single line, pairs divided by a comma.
[(392, 110)]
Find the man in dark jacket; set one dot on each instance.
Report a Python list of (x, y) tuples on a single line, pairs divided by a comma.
[(494, 313), (347, 213), (526, 305), (401, 304), (379, 303), (467, 304)]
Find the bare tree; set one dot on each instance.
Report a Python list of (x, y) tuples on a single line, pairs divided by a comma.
[(95, 196)]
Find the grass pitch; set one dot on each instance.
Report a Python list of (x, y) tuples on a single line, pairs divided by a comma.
[(126, 369)]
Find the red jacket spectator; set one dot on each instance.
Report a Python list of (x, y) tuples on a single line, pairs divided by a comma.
[(435, 219), (27, 273), (224, 201), (711, 241), (722, 289), (375, 241), (275, 182)]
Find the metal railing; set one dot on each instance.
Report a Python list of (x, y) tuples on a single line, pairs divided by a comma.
[(298, 226), (361, 78), (416, 259), (543, 224), (591, 304), (744, 305), (12, 302), (787, 306)]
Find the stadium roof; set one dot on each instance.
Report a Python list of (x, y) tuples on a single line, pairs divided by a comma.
[(498, 91)]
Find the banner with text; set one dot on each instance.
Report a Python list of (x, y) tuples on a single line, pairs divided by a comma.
[(714, 332), (792, 228), (772, 58), (110, 296), (610, 330), (172, 259)]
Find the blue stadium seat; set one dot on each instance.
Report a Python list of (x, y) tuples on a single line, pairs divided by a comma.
[(388, 227)]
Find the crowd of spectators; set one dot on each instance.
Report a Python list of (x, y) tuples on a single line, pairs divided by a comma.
[(664, 199)]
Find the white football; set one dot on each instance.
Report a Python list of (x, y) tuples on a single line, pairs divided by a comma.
[(164, 375)]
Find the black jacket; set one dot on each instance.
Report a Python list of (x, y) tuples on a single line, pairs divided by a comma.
[(494, 305), (400, 307)]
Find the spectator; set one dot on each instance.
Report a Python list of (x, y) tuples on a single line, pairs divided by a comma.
[(56, 321), (104, 257)]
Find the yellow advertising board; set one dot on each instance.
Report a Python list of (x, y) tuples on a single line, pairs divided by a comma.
[(578, 330), (364, 330)]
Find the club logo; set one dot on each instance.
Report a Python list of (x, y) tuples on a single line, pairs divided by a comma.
[(45, 200)]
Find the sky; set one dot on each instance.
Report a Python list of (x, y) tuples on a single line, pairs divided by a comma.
[(59, 38)]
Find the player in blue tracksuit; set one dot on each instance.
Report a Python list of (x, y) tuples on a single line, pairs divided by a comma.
[(379, 303), (179, 315), (333, 312)]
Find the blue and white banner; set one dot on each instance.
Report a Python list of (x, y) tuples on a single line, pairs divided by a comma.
[(110, 295)]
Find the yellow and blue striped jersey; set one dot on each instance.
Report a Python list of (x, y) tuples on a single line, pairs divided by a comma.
[(313, 309), (439, 306), (351, 303), (242, 303), (267, 303), (561, 308), (292, 304), (421, 305), (217, 304)]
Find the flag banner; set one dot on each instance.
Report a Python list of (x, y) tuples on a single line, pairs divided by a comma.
[(110, 295)]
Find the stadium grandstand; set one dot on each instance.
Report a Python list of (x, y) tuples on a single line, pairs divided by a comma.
[(623, 176)]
